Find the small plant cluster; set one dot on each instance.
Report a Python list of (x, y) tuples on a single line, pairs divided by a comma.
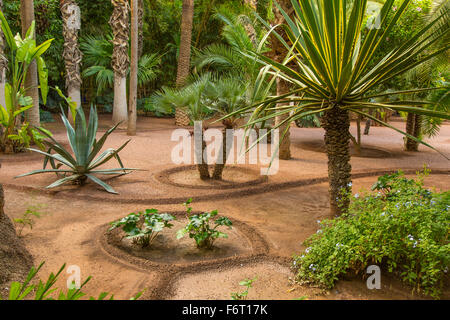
[(400, 226), (200, 230), (27, 219), (144, 227), (45, 290), (247, 283)]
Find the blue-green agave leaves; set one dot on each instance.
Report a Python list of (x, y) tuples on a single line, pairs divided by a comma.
[(82, 163)]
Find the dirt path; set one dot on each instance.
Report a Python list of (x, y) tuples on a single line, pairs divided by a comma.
[(283, 212)]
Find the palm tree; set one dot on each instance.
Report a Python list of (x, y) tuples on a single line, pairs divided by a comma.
[(224, 96), (184, 56), (98, 51), (131, 130), (332, 75), (27, 17), (191, 100), (119, 22), (70, 12)]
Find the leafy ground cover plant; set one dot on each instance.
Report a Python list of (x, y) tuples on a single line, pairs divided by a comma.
[(247, 283), (86, 158), (143, 227), (199, 227), (44, 290), (400, 226)]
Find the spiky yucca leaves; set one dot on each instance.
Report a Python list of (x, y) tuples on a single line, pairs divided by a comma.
[(332, 74), (85, 161)]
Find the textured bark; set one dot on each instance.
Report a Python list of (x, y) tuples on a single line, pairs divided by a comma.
[(3, 64), (336, 123), (15, 260), (224, 152), (141, 27), (119, 22), (134, 68), (72, 53), (202, 165), (2, 200), (31, 81), (284, 151), (184, 57), (413, 127), (120, 111)]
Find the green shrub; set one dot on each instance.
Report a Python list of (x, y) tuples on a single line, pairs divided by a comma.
[(400, 226), (200, 230), (143, 227)]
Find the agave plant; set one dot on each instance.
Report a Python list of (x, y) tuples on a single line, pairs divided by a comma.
[(328, 66), (86, 158)]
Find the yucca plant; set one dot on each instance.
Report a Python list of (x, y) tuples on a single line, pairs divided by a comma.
[(328, 67), (85, 161)]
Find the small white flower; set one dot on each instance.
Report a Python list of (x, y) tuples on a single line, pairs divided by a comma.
[(308, 249), (357, 195)]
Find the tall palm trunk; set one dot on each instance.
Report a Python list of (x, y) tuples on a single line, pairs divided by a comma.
[(3, 65), (414, 128), (31, 81), (134, 68), (184, 57), (202, 162), (280, 53), (119, 22), (285, 141), (336, 123), (141, 12), (70, 12)]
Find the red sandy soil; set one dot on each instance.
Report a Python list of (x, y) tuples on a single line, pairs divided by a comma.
[(273, 218)]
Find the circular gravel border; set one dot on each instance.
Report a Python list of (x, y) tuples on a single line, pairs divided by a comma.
[(234, 194), (164, 177)]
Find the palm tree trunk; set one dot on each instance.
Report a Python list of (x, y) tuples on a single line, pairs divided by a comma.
[(413, 128), (184, 57), (31, 81), (2, 200), (284, 151), (336, 123), (141, 27), (134, 68), (280, 52), (224, 152), (202, 163), (3, 65), (368, 124), (70, 12), (120, 61)]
